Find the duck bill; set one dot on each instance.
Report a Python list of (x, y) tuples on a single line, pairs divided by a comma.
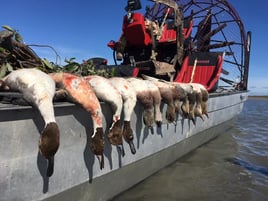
[(151, 129), (200, 116), (101, 160), (50, 166), (192, 119)]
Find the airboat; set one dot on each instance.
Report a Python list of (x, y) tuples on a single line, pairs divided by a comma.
[(184, 41)]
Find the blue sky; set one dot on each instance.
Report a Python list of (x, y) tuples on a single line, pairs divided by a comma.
[(82, 29)]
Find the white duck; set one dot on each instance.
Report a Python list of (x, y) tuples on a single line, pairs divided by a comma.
[(38, 90), (149, 96), (78, 89), (106, 92), (129, 97)]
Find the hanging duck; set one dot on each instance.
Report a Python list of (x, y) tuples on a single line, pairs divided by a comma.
[(195, 104), (188, 101), (81, 92), (202, 96), (38, 90), (128, 94), (149, 96), (173, 94), (106, 92), (168, 95)]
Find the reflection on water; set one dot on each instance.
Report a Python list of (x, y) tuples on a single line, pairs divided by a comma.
[(233, 167)]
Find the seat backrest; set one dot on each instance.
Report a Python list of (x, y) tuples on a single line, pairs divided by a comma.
[(206, 71), (169, 33), (135, 30)]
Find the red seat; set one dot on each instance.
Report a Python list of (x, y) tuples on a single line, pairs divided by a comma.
[(207, 70), (135, 30), (168, 34)]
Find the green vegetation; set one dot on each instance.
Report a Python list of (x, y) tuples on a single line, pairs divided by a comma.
[(15, 54)]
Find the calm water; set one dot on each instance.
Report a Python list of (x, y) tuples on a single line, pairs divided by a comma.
[(233, 167)]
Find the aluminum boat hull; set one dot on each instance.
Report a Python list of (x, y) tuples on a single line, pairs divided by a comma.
[(77, 175)]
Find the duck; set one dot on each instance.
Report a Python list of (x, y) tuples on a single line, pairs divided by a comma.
[(166, 92), (129, 97), (197, 96), (106, 92), (188, 98), (149, 96), (202, 98), (205, 97), (81, 93), (180, 93), (38, 90)]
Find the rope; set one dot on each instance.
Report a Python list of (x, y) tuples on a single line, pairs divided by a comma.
[(193, 72), (162, 25)]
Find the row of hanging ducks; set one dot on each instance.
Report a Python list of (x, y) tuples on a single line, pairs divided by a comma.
[(40, 90)]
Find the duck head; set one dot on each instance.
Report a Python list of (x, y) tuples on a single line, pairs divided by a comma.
[(148, 116), (185, 107), (198, 108), (205, 96), (192, 101), (128, 136), (97, 145), (204, 109), (171, 112), (49, 142), (115, 136)]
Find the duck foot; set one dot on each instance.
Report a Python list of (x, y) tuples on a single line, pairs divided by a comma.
[(193, 120)]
